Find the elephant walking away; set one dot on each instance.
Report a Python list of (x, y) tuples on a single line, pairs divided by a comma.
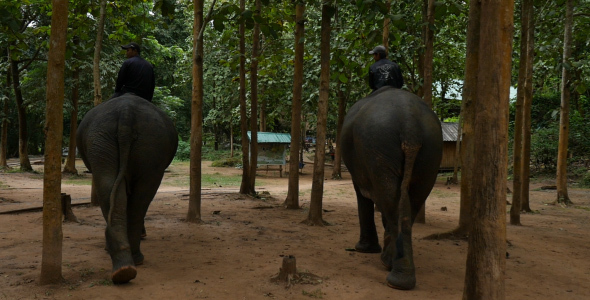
[(392, 145), (127, 143)]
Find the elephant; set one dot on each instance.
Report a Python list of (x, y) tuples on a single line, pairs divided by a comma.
[(126, 143), (391, 143)]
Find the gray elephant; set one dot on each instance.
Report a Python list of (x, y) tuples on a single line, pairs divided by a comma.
[(392, 145), (127, 143)]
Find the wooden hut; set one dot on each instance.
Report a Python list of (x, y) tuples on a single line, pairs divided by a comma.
[(271, 149), (450, 135)]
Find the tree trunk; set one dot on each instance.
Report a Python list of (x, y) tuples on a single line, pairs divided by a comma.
[(526, 120), (336, 171), (245, 186), (4, 123), (194, 206), (458, 146), (70, 165), (97, 50), (519, 115), (23, 135), (470, 96), (564, 123), (292, 200), (386, 22), (428, 53), (317, 187), (52, 210), (486, 255), (254, 102)]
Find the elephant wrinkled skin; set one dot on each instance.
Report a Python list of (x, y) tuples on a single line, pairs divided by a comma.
[(127, 143), (392, 145)]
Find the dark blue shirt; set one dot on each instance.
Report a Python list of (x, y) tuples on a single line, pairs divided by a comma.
[(136, 76), (385, 72)]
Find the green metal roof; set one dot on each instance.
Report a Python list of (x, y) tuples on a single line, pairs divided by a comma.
[(272, 137)]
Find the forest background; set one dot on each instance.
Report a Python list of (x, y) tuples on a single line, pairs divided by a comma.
[(164, 29)]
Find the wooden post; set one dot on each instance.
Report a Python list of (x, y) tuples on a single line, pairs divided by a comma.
[(66, 204), (288, 270)]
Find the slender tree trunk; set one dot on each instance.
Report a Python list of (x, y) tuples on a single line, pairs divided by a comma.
[(244, 187), (486, 255), (4, 139), (564, 123), (52, 210), (97, 50), (262, 121), (194, 206), (458, 146), (470, 96), (386, 22), (526, 120), (426, 89), (254, 102), (428, 53), (519, 115), (70, 165), (292, 200), (317, 187), (336, 171), (23, 135)]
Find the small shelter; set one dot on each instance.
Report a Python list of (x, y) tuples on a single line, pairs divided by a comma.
[(450, 135), (272, 149)]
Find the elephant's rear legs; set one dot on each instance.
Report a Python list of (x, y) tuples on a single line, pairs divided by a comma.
[(369, 241)]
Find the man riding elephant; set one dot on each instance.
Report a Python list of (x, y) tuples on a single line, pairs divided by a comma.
[(126, 143), (392, 145)]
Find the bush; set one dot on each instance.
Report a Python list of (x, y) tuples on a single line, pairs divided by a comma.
[(585, 180), (227, 162), (183, 153)]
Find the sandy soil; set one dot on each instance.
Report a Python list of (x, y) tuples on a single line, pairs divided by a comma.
[(242, 242)]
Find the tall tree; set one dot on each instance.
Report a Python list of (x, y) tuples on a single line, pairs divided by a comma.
[(245, 185), (564, 123), (4, 123), (70, 165), (292, 200), (342, 97), (386, 22), (519, 114), (196, 140), (52, 210), (469, 97), (428, 51), (23, 133), (97, 50), (317, 187), (527, 107), (254, 101), (486, 255)]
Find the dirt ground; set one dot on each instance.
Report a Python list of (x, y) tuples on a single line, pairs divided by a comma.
[(242, 242)]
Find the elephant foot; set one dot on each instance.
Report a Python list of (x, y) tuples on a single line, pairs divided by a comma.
[(138, 259), (365, 247), (124, 274), (402, 276), (386, 260)]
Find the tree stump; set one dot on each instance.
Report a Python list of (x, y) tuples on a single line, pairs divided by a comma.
[(288, 270), (66, 204)]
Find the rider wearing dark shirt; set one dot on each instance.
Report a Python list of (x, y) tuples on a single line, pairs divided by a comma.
[(136, 75), (384, 72)]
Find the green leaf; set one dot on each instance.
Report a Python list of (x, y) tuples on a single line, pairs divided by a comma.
[(343, 78)]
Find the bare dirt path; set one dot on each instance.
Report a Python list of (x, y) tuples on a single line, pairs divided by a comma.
[(240, 246)]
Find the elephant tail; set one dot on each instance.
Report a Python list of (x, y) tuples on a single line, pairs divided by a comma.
[(124, 139), (410, 152)]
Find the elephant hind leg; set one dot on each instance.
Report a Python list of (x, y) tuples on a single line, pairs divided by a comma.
[(403, 274), (369, 241)]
